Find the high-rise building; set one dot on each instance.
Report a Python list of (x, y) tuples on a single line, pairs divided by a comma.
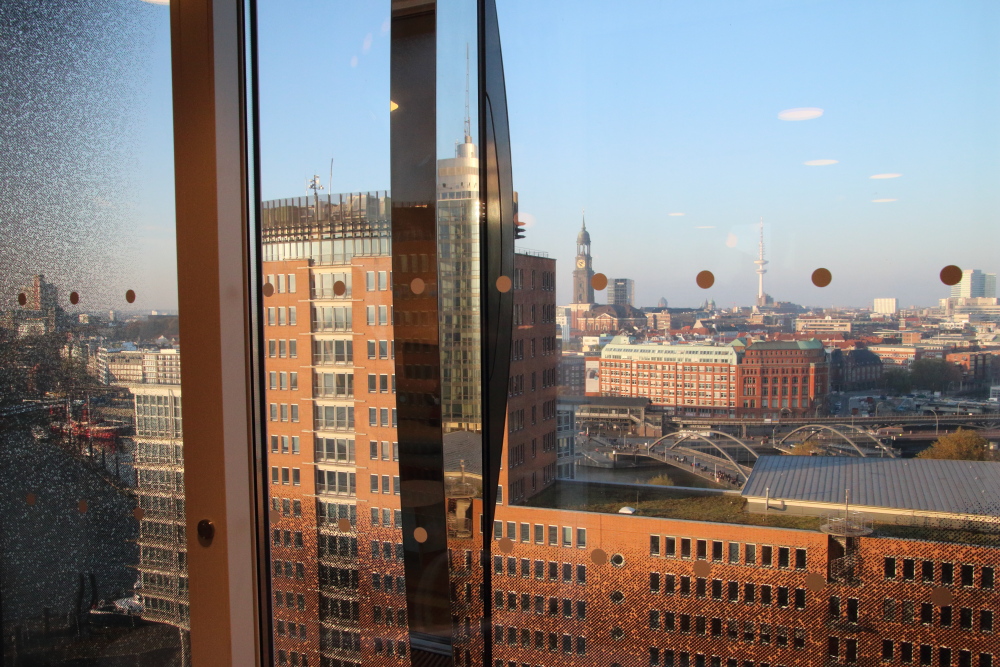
[(159, 466), (975, 283), (885, 306), (458, 285), (622, 292), (583, 271)]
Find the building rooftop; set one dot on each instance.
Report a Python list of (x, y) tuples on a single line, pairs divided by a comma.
[(928, 485)]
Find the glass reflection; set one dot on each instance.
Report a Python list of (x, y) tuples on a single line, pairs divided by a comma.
[(92, 542)]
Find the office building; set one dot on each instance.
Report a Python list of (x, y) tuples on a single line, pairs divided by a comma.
[(975, 283), (622, 292), (886, 306)]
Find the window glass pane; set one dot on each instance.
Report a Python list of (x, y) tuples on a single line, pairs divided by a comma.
[(732, 269), (335, 237), (91, 447)]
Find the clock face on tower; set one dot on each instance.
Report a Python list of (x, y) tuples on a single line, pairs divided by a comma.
[(580, 263)]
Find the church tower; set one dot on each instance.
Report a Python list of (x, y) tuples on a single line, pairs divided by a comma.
[(583, 290)]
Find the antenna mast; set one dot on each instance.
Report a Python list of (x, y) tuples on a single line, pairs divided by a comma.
[(760, 262), (468, 118)]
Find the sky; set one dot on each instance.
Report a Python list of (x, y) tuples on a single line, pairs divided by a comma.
[(662, 120)]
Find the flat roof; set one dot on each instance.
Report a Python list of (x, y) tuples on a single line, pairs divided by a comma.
[(957, 487)]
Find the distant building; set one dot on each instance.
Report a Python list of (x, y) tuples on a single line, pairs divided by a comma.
[(974, 284), (622, 292), (897, 356), (159, 464), (822, 324), (583, 271), (743, 378), (886, 306)]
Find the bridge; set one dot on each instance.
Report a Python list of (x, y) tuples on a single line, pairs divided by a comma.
[(983, 420)]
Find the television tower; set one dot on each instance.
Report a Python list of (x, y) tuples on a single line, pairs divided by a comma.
[(760, 262)]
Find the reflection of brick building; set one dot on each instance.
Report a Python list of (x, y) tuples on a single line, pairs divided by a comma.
[(533, 385)]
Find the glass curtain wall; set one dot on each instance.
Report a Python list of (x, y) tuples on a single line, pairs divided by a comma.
[(93, 556), (750, 419)]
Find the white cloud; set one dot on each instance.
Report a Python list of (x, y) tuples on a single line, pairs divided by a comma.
[(366, 45), (880, 176), (673, 215), (819, 163), (800, 113), (883, 201)]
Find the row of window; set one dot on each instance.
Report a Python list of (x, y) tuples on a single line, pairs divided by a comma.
[(388, 583), (290, 600), (286, 476), (296, 659), (968, 618), (384, 486), (523, 637), (764, 594), (937, 573), (762, 633), (283, 412), (336, 482), (391, 518), (380, 416), (286, 538), (377, 315), (337, 546), (283, 380), (670, 658), (332, 512), (389, 616), (287, 506), (388, 450), (387, 550), (338, 577), (280, 316), (556, 537), (536, 604), (291, 629), (909, 653), (389, 647), (523, 568), (335, 609), (381, 384), (282, 282), (787, 557), (288, 570), (282, 348), (284, 444)]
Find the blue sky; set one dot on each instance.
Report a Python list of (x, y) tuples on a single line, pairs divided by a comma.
[(640, 109), (636, 110)]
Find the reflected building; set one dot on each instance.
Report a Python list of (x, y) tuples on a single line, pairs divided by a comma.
[(159, 464), (458, 289), (333, 454)]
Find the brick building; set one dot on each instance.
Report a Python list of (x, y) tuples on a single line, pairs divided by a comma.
[(581, 588), (744, 378), (534, 383)]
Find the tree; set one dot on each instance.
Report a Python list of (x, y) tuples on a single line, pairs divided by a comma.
[(806, 448), (896, 381), (962, 445), (933, 374)]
